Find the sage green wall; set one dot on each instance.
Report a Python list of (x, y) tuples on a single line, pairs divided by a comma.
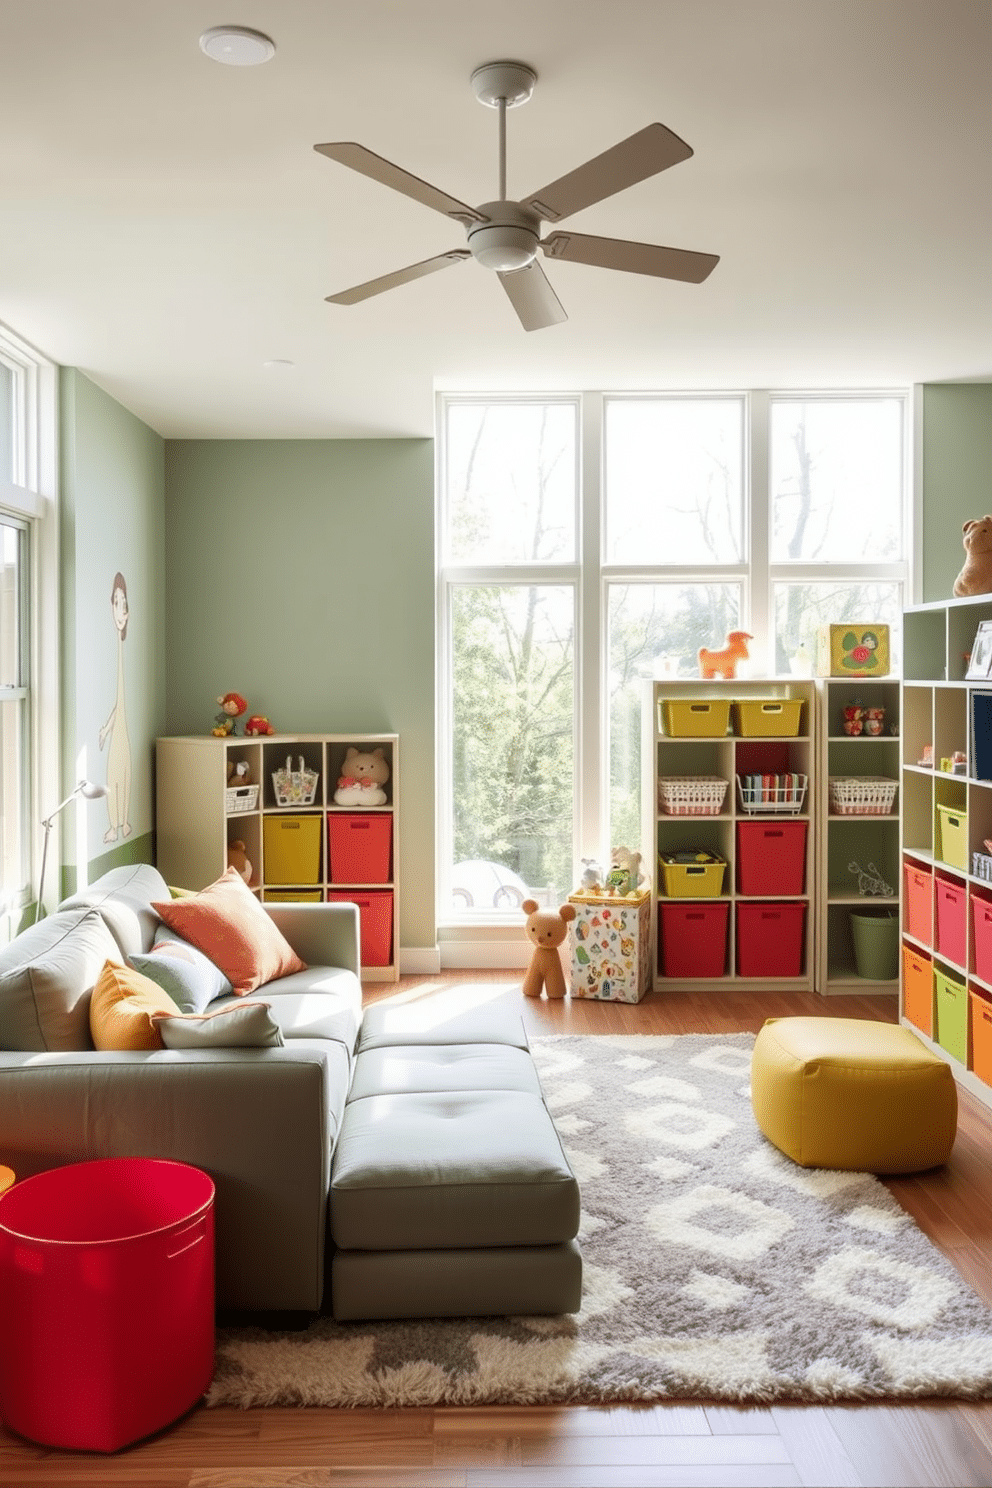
[(112, 521), (300, 573), (956, 458)]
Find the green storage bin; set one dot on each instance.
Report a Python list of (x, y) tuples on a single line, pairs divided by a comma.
[(951, 1007), (292, 849), (875, 934)]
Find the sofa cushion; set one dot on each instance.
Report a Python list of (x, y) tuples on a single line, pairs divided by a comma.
[(46, 976), (398, 1071), (411, 1023), (226, 922), (121, 1009), (306, 1014), (242, 1025), (123, 897), (451, 1169), (190, 978)]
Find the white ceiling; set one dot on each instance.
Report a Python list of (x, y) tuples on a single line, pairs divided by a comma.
[(166, 226)]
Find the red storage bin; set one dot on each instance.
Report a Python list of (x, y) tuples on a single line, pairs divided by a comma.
[(375, 914), (918, 900), (981, 919), (360, 846), (980, 1007), (770, 939), (107, 1279), (693, 938), (771, 857), (952, 920), (917, 989)]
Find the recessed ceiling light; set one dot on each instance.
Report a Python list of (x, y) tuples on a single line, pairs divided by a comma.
[(279, 363), (238, 46)]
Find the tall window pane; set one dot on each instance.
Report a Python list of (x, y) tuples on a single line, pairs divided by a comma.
[(801, 608), (837, 481), (510, 479), (13, 711), (513, 754), (655, 630), (674, 480)]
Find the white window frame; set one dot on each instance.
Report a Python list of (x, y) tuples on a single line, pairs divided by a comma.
[(480, 940), (33, 495)]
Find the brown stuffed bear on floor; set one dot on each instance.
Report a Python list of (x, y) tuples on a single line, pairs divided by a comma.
[(976, 575), (547, 929)]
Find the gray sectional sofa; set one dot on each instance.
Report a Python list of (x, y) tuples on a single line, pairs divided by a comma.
[(428, 1151)]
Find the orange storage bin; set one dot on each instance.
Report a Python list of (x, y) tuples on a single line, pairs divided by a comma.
[(952, 920), (918, 902), (770, 939), (980, 1007), (375, 914), (917, 989), (693, 938), (360, 845), (771, 857), (981, 919)]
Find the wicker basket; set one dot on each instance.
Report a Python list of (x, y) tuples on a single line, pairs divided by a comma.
[(691, 795), (295, 787), (240, 798), (861, 795), (783, 794)]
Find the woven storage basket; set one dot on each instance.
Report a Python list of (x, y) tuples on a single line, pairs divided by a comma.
[(240, 798), (861, 795), (691, 795), (783, 794)]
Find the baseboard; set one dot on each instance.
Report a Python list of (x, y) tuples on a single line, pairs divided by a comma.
[(419, 960), (480, 955)]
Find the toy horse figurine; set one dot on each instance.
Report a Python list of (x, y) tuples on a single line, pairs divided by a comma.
[(724, 663)]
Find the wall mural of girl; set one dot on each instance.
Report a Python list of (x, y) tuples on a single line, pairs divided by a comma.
[(119, 753)]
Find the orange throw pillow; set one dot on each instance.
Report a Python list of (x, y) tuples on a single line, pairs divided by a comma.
[(226, 922), (121, 1007)]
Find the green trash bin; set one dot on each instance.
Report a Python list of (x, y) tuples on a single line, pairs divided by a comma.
[(875, 933)]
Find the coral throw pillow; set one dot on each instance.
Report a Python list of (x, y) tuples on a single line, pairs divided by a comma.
[(121, 1008), (226, 922)]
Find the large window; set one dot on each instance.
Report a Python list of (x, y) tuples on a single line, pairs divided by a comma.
[(565, 583)]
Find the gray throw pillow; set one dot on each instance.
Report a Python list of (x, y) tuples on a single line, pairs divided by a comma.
[(189, 977), (241, 1025)]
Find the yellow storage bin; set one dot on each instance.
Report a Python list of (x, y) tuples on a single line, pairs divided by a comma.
[(691, 875), (694, 718), (292, 849), (763, 718), (952, 839), (293, 896)]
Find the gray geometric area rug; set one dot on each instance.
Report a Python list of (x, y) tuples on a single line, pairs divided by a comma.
[(714, 1268)]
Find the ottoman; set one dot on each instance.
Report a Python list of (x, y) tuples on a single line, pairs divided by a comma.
[(849, 1093), (451, 1195)]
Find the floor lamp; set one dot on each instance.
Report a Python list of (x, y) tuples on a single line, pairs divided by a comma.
[(84, 788)]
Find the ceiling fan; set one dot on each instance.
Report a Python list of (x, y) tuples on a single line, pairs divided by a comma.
[(505, 235)]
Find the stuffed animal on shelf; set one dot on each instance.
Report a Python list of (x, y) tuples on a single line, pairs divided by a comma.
[(976, 574), (238, 773), (723, 663), (547, 929), (363, 775), (237, 859), (592, 876), (232, 705), (625, 876), (258, 724)]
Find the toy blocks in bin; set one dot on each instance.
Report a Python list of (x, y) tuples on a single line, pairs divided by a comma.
[(691, 874), (610, 943), (856, 650)]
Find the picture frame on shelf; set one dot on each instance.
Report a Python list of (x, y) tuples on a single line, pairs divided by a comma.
[(980, 660)]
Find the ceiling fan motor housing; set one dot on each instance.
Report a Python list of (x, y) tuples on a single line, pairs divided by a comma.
[(509, 240)]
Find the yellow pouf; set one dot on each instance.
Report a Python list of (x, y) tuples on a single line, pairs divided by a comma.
[(847, 1093)]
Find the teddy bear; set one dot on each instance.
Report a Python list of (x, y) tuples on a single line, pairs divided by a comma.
[(547, 929), (236, 858), (625, 874), (976, 574), (363, 775)]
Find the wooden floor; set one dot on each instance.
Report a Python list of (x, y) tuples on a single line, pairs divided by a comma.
[(933, 1443)]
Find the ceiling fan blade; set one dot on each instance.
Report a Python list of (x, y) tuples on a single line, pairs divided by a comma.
[(632, 258), (367, 163), (532, 297), (400, 276), (644, 154)]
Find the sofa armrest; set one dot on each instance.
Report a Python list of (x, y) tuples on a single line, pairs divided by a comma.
[(261, 1122), (322, 934)]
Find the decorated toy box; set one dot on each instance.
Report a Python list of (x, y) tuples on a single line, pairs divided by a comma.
[(611, 957), (852, 650)]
